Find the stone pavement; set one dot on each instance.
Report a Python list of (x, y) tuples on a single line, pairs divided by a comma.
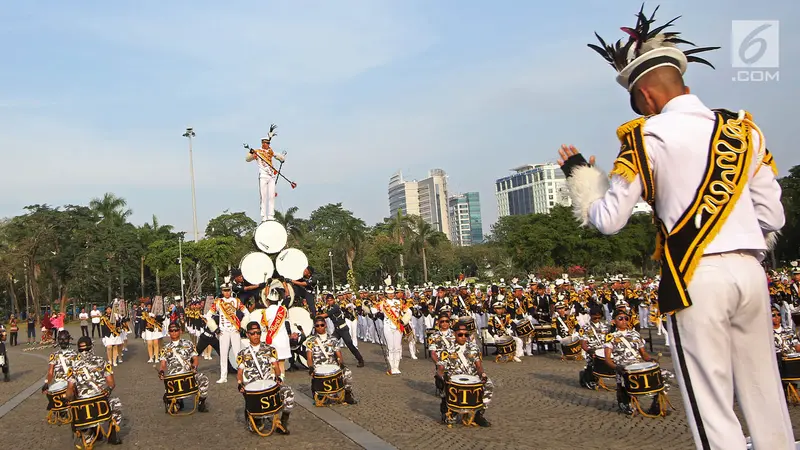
[(537, 404)]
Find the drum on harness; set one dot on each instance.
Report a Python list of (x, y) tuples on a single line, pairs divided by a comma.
[(87, 412), (57, 404), (506, 348), (571, 348), (180, 386), (544, 333), (523, 328), (262, 398), (469, 321), (327, 383), (643, 378), (463, 395)]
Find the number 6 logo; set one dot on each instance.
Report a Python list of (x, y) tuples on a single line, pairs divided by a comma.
[(755, 43), (749, 41)]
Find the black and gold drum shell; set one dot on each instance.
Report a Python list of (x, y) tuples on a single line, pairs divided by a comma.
[(327, 384), (180, 385), (263, 401), (640, 380), (544, 333), (459, 395), (90, 411), (57, 401), (789, 366), (523, 328), (505, 346), (469, 322)]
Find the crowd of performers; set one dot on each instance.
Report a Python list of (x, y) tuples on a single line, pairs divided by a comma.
[(456, 326)]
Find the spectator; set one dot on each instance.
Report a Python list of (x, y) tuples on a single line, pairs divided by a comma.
[(95, 315), (13, 329), (31, 328), (84, 318)]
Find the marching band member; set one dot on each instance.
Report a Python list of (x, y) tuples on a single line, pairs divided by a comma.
[(323, 348), (441, 340), (623, 347), (521, 312), (267, 173), (407, 312), (340, 327), (717, 296), (89, 376), (464, 359), (152, 333), (230, 311), (110, 332), (393, 329), (500, 324), (180, 356), (259, 361), (276, 331), (4, 354), (593, 337), (60, 362), (565, 324)]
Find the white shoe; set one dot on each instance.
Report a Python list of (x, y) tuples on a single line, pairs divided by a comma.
[(222, 380), (414, 357), (115, 364), (517, 359), (150, 360), (124, 349)]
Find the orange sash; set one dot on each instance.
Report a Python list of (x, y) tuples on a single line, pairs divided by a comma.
[(230, 313), (392, 316), (276, 323)]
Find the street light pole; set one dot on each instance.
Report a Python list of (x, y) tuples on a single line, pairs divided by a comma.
[(333, 283), (190, 134), (180, 261)]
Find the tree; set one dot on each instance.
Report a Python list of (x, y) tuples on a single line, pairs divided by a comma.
[(111, 208), (424, 236), (293, 225)]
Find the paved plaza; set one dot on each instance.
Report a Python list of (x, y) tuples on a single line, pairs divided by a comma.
[(537, 404)]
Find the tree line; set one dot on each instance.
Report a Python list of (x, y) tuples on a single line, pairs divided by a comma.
[(92, 253)]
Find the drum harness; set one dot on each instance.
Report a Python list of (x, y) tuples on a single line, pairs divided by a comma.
[(258, 365)]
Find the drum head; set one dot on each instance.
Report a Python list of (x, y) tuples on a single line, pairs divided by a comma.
[(570, 340), (503, 340), (326, 369), (640, 366), (465, 379), (291, 263), (57, 386), (259, 385), (270, 236), (257, 267), (600, 353), (299, 316)]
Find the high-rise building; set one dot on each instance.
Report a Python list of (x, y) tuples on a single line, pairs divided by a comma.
[(532, 189), (466, 226), (426, 198), (403, 196)]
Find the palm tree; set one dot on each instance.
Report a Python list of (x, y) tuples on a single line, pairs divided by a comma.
[(349, 235), (149, 233), (111, 208), (399, 227), (292, 224), (424, 235)]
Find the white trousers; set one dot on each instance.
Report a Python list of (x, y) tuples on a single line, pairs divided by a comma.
[(352, 326), (721, 346), (394, 345), (266, 186), (228, 341), (644, 316)]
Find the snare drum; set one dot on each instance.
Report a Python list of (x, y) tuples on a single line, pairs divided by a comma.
[(506, 345), (523, 328), (87, 412), (544, 333), (643, 378), (600, 368), (56, 400), (790, 367), (464, 392), (327, 379), (180, 385), (571, 347), (262, 397), (469, 321)]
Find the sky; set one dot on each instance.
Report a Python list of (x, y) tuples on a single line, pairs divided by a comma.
[(96, 95)]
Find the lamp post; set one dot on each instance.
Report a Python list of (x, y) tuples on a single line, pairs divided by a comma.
[(180, 261), (190, 134), (333, 283)]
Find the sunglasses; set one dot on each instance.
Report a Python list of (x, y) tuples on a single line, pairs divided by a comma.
[(254, 332), (319, 325), (776, 315), (174, 330), (444, 321), (623, 318), (462, 334)]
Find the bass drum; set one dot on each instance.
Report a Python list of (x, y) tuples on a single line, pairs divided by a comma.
[(291, 263), (270, 236), (257, 267), (300, 318)]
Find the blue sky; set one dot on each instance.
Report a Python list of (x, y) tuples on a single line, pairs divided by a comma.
[(95, 95)]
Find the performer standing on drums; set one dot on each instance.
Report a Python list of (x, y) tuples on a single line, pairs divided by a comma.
[(393, 326), (91, 376), (323, 348), (341, 329), (464, 359), (712, 183), (500, 325), (593, 337), (624, 347), (267, 174), (259, 361), (229, 308), (180, 356)]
